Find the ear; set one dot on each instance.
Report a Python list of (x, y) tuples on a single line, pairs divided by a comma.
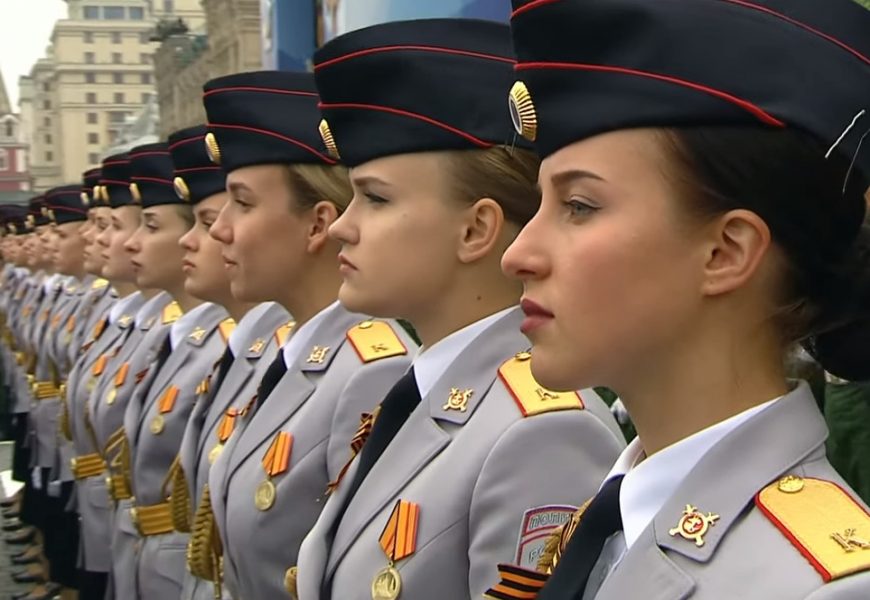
[(740, 240), (482, 230), (322, 215)]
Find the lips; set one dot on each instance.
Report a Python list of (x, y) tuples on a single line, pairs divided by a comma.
[(345, 264), (536, 316)]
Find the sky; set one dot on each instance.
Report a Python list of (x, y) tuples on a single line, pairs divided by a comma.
[(25, 28)]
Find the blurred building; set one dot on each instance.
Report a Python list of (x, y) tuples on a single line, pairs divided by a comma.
[(14, 175), (228, 42), (97, 76)]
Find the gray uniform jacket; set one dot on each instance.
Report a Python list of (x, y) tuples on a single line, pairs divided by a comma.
[(479, 477), (319, 404), (745, 555), (257, 349), (161, 560), (91, 501)]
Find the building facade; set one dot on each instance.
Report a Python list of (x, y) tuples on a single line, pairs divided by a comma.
[(14, 175), (98, 73)]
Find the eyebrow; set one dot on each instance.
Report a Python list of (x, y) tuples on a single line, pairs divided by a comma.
[(563, 178), (236, 186), (368, 179)]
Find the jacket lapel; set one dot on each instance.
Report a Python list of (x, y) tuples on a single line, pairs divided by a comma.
[(238, 375)]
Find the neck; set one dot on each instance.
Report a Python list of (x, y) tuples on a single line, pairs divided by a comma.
[(312, 292), (149, 293), (185, 300), (474, 295), (124, 288), (696, 385), (236, 308)]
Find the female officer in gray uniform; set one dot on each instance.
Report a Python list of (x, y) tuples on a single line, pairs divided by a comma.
[(704, 170), (269, 483), (468, 459)]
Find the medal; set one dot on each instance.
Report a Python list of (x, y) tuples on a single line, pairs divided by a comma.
[(167, 403), (157, 425), (398, 541), (275, 462), (110, 397), (214, 453), (264, 498)]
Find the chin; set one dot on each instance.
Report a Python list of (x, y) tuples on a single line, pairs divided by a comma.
[(360, 303), (555, 373)]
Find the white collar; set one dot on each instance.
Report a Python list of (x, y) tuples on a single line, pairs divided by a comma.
[(244, 328), (186, 323), (124, 305), (302, 336), (151, 307), (431, 363), (649, 483)]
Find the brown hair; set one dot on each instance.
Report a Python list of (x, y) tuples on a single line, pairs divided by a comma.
[(185, 211), (316, 183), (507, 175), (814, 208)]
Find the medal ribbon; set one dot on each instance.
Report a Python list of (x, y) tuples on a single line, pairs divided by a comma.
[(227, 425), (70, 323), (399, 538), (167, 402), (277, 457), (366, 422), (121, 375), (100, 365)]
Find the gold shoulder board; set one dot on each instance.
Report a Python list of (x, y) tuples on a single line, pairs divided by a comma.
[(374, 340), (99, 283), (532, 397), (172, 312), (226, 328), (822, 521), (283, 332)]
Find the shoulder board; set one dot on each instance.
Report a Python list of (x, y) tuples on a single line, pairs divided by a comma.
[(171, 313), (283, 332), (531, 397), (374, 340), (226, 327), (822, 521), (99, 283)]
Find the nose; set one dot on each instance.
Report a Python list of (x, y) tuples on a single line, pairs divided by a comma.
[(525, 258), (221, 230), (344, 229), (188, 240)]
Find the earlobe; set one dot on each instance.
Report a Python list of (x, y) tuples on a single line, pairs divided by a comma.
[(323, 214), (740, 242)]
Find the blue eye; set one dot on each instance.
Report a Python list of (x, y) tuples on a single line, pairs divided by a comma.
[(579, 208), (375, 199)]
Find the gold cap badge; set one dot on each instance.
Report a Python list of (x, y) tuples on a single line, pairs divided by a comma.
[(328, 139), (523, 111), (104, 193), (85, 200), (13, 228), (137, 195), (212, 148), (44, 211), (181, 189), (51, 214)]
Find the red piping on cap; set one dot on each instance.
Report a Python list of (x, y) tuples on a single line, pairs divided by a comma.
[(302, 145), (749, 107), (195, 169), (64, 193), (455, 51), (69, 209), (403, 113), (531, 5), (150, 153), (250, 88), (186, 141), (115, 182), (116, 162), (151, 179)]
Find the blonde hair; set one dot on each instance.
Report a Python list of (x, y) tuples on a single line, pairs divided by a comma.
[(317, 183), (507, 175)]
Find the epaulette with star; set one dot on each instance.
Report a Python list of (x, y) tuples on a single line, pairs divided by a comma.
[(283, 333), (171, 313), (531, 397), (226, 327), (99, 283), (374, 340), (822, 521)]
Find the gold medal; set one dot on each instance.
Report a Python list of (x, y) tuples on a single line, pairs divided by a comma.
[(157, 425), (387, 584), (110, 398), (264, 499), (214, 453)]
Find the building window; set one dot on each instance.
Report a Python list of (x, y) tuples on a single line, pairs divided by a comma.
[(117, 78), (91, 98), (117, 116), (10, 129), (49, 156), (4, 160), (89, 37), (119, 97), (92, 12), (93, 138), (89, 58), (92, 118), (146, 97), (46, 104), (116, 37), (145, 59), (168, 6), (136, 13), (116, 58), (46, 87), (113, 13), (90, 77), (46, 121), (93, 158), (47, 138), (146, 78)]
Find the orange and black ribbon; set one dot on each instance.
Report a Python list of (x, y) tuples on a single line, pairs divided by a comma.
[(100, 365), (366, 422), (277, 457), (227, 425), (71, 324), (517, 583), (121, 375), (167, 401), (399, 538), (141, 375)]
